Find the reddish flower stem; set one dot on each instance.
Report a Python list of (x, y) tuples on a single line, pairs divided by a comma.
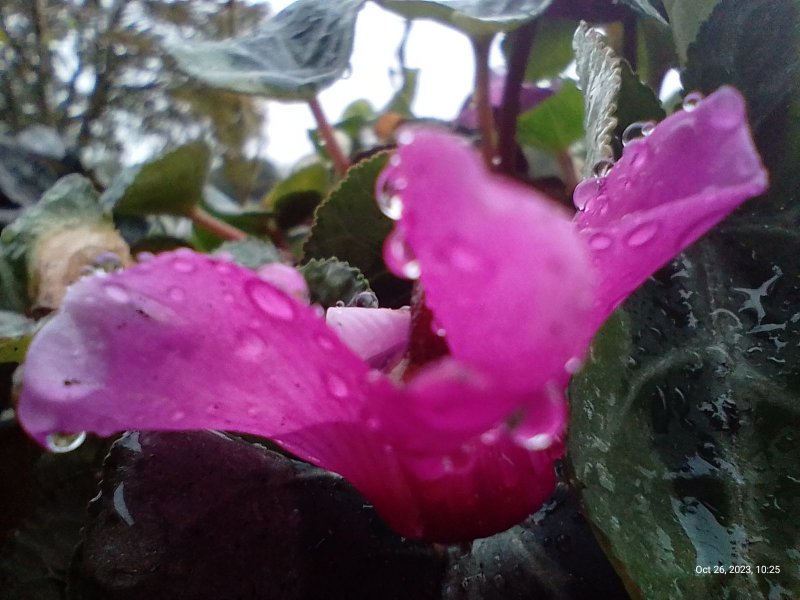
[(481, 99), (218, 227), (567, 167), (340, 162), (521, 44)]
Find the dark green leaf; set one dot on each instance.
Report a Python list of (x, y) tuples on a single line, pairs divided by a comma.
[(753, 45), (200, 515), (600, 78), (332, 281), (15, 335), (294, 199), (637, 102), (35, 560), (473, 17), (556, 123), (646, 8), (551, 555), (552, 48), (685, 19), (251, 253), (171, 184), (350, 227), (294, 55)]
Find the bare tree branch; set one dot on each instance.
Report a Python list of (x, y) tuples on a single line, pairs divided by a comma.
[(44, 72)]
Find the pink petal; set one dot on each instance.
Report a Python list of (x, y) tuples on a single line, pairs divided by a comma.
[(504, 271), (666, 191), (185, 341), (529, 96), (377, 335)]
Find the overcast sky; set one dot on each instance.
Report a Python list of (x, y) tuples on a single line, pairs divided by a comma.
[(443, 54)]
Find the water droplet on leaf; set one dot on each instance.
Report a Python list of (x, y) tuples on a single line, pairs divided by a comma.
[(65, 442), (637, 130), (691, 101)]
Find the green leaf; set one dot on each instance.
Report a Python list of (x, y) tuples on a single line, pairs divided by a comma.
[(753, 45), (332, 281), (404, 97), (600, 78), (474, 17), (251, 253), (15, 335), (302, 50), (556, 123), (551, 52), (646, 8), (350, 227), (636, 102), (294, 199), (685, 19), (171, 184)]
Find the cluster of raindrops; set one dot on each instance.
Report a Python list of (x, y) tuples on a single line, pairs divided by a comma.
[(400, 258), (637, 130)]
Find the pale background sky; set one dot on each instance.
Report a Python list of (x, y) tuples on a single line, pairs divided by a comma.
[(444, 55)]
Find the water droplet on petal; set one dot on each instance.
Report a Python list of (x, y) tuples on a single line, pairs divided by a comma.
[(599, 241), (642, 234), (373, 424), (178, 416), (539, 441), (176, 294), (395, 161), (64, 442), (405, 137), (117, 293), (400, 258), (251, 346), (584, 193), (637, 130), (337, 386), (269, 301), (324, 342), (389, 201), (602, 167), (181, 265), (573, 365), (145, 256), (691, 101)]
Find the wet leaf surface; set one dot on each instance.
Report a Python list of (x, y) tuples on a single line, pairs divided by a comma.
[(332, 282), (200, 515), (349, 226), (474, 17), (294, 55)]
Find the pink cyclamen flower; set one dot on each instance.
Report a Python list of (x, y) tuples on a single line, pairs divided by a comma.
[(530, 95), (465, 447)]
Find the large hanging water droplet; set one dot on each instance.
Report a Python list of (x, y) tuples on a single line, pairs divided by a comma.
[(602, 168), (637, 130), (64, 442), (642, 234), (691, 101), (584, 193), (400, 258), (389, 200)]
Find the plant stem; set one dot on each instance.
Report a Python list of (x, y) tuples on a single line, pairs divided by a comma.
[(568, 176), (521, 44), (482, 100), (630, 49), (340, 162), (220, 228)]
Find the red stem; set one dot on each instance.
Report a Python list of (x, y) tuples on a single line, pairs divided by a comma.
[(482, 100), (220, 228), (340, 162)]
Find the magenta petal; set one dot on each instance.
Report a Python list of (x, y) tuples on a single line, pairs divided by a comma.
[(666, 191), (529, 96), (377, 335), (504, 271), (185, 341)]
